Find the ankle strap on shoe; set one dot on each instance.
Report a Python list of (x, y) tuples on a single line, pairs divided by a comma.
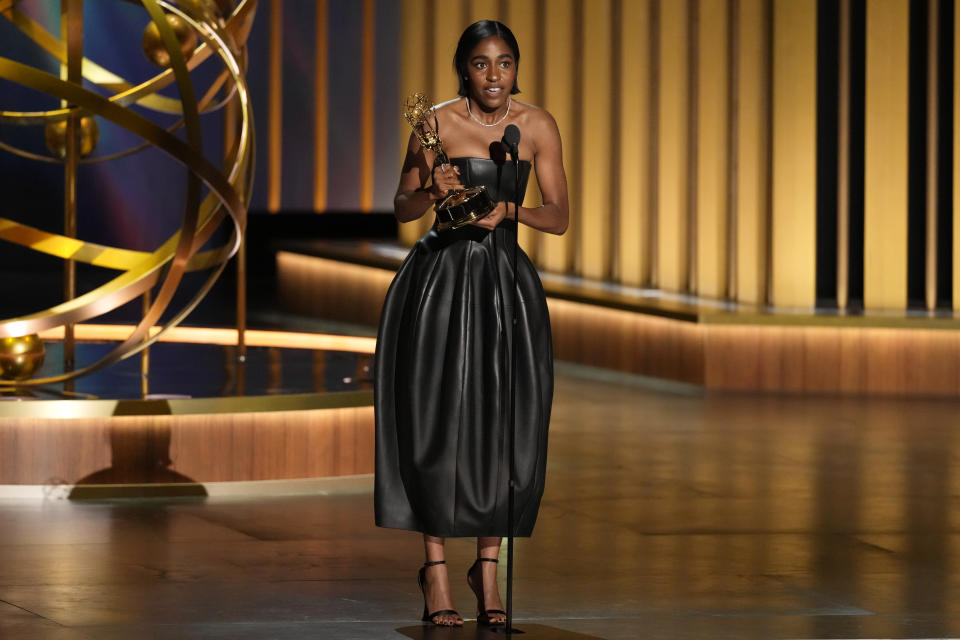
[(430, 564), (487, 559)]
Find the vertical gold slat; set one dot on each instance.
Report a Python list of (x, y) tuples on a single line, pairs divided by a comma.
[(794, 152), (768, 69), (693, 109), (574, 265), (633, 159), (275, 108), (956, 160), (885, 156), (539, 83), (448, 24), (595, 162), (652, 265), (843, 158), (933, 12), (71, 28), (483, 10), (712, 145), (558, 60), (367, 105), (320, 97), (615, 132), (733, 134), (673, 175), (752, 145), (414, 76), (522, 20)]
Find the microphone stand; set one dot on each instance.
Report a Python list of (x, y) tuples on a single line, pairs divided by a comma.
[(511, 491)]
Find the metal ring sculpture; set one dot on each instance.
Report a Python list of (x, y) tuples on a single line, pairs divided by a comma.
[(223, 30)]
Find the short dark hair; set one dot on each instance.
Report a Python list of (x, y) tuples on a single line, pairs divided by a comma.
[(471, 38)]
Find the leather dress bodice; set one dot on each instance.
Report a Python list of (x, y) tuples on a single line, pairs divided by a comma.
[(498, 178)]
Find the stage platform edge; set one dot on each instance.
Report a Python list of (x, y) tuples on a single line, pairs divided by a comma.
[(157, 446)]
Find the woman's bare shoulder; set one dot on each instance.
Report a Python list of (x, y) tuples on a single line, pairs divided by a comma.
[(538, 125), (447, 110), (534, 116)]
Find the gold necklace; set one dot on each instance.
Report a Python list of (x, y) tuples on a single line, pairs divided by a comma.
[(484, 124)]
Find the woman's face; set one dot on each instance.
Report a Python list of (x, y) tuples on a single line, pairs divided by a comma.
[(491, 71)]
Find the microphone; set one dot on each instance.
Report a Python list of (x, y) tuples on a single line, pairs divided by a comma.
[(511, 140)]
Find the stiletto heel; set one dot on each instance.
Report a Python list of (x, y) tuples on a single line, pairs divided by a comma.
[(483, 614), (422, 581)]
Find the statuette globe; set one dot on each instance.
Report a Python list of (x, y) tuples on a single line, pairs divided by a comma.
[(21, 357)]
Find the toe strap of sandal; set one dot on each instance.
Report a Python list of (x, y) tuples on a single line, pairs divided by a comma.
[(443, 612)]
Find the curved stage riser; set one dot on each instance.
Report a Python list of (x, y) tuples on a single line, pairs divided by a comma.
[(718, 350)]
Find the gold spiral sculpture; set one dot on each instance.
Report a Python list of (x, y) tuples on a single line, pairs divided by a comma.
[(179, 36)]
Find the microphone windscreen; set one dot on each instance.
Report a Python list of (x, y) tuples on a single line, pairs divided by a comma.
[(511, 136)]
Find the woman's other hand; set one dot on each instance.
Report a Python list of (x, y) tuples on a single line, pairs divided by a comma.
[(446, 178), (492, 219)]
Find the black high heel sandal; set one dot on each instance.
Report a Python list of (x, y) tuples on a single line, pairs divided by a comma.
[(483, 614), (422, 581)]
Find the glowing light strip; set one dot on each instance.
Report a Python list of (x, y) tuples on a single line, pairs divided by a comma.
[(320, 112), (209, 335), (275, 107), (366, 111)]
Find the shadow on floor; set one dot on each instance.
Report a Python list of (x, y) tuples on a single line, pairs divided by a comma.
[(482, 632)]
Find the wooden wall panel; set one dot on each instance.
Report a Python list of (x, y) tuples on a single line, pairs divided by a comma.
[(629, 341), (330, 289), (592, 65), (838, 359), (794, 152), (885, 163), (199, 448)]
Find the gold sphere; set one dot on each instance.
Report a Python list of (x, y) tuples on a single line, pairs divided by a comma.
[(153, 43), (56, 134), (21, 357)]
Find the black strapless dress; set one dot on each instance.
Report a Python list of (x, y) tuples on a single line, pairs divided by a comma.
[(442, 387)]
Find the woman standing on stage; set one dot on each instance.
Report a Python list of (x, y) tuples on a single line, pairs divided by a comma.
[(442, 365)]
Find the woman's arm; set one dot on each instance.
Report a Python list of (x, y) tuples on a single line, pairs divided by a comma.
[(553, 215), (413, 196)]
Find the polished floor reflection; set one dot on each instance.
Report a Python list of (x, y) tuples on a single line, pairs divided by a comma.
[(190, 370), (668, 514)]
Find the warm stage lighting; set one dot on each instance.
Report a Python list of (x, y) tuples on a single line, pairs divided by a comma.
[(208, 335)]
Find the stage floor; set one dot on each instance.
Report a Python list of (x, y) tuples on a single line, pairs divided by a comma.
[(668, 514)]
